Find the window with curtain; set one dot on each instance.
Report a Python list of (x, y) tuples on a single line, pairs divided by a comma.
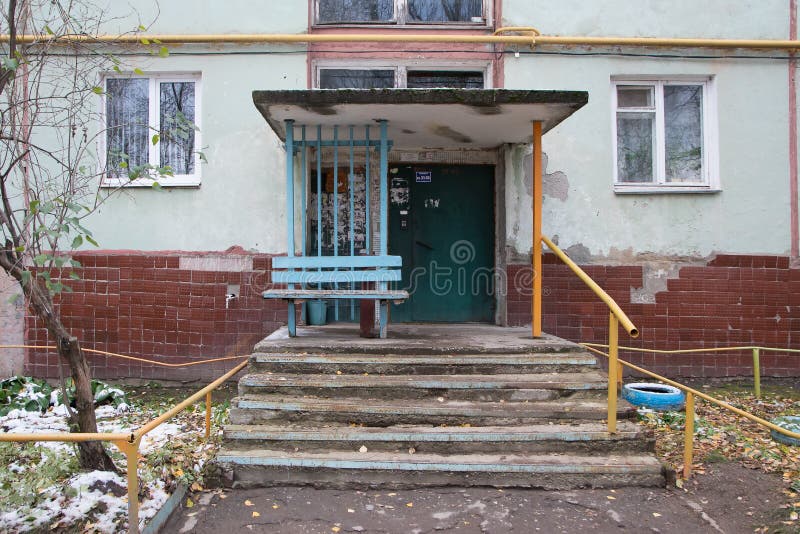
[(151, 130)]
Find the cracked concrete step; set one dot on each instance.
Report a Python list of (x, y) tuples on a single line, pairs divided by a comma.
[(415, 339), (253, 409), (509, 387), (587, 438), (438, 364), (341, 469)]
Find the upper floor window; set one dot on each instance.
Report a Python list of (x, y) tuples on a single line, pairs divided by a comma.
[(464, 12), (151, 130), (664, 136), (399, 76)]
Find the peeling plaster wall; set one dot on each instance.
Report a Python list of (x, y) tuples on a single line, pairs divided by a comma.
[(12, 318), (206, 16), (750, 215), (722, 19)]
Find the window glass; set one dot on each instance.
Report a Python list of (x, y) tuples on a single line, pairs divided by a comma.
[(453, 79), (177, 150), (683, 123), (127, 134), (343, 11), (635, 146), (629, 96), (355, 79), (445, 10)]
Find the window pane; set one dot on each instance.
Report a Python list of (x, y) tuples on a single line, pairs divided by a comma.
[(635, 136), (453, 79), (445, 10), (127, 114), (355, 79), (333, 11), (629, 96), (683, 118), (176, 101)]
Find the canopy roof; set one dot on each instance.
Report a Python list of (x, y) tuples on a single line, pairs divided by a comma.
[(424, 118)]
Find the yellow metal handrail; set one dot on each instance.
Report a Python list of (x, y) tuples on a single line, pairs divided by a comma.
[(615, 317), (129, 443), (756, 350), (626, 323), (691, 393)]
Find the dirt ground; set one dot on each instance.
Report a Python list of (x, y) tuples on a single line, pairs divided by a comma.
[(728, 498)]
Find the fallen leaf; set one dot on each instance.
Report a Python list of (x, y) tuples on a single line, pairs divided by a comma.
[(363, 449), (335, 529), (275, 506), (248, 503), (256, 514), (611, 498), (196, 487), (350, 511), (656, 514), (410, 504), (189, 503)]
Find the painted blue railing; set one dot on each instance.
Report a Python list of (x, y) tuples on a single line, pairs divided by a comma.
[(321, 264)]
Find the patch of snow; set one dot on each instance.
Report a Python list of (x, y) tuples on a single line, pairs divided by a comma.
[(84, 499)]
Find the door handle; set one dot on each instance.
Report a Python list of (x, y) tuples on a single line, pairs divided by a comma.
[(420, 243)]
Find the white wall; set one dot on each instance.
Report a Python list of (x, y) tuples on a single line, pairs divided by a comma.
[(750, 215), (241, 199), (723, 19)]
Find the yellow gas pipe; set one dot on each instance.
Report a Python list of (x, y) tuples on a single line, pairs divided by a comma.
[(531, 38)]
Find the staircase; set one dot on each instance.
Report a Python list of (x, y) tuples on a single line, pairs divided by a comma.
[(401, 414)]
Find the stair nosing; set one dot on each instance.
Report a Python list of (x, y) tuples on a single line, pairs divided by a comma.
[(570, 381), (451, 463), (532, 433)]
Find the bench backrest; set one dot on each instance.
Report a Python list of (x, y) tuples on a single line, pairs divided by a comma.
[(345, 269)]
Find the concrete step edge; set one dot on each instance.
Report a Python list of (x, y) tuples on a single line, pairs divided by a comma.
[(388, 461), (433, 359), (572, 381), (314, 404), (585, 434)]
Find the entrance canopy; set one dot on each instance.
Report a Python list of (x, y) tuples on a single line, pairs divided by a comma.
[(425, 118), (338, 253)]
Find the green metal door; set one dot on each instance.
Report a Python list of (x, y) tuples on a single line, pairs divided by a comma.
[(442, 224)]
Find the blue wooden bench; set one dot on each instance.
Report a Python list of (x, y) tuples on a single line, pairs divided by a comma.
[(315, 270)]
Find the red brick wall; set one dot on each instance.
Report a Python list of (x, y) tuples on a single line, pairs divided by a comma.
[(733, 300), (144, 304)]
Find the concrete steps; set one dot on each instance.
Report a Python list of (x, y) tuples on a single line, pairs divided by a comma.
[(539, 386), (345, 470), (434, 364), (541, 438), (423, 410), (254, 409)]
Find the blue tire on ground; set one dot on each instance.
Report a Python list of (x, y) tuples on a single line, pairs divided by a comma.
[(789, 422), (654, 396)]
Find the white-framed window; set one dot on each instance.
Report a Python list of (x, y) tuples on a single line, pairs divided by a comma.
[(152, 130), (664, 135), (466, 74), (467, 13)]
